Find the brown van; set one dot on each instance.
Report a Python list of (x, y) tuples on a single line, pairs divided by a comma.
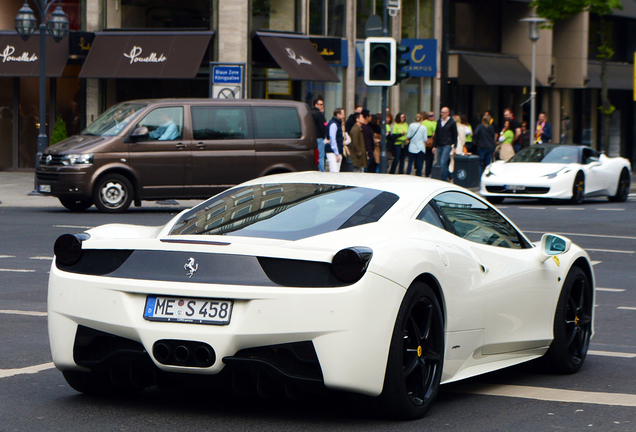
[(176, 149)]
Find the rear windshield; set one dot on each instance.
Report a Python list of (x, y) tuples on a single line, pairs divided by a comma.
[(290, 211)]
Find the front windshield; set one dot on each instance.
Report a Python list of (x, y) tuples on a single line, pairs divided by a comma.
[(285, 211), (113, 121), (548, 154)]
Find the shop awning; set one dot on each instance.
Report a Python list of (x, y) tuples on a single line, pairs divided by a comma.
[(497, 70), (22, 59), (619, 76), (138, 54), (295, 55)]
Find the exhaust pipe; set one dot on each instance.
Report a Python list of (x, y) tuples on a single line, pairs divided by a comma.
[(183, 353)]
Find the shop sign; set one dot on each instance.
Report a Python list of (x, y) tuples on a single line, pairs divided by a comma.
[(135, 56), (422, 57), (7, 56), (330, 49)]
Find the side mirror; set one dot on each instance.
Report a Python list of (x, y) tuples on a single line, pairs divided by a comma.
[(552, 245), (138, 134)]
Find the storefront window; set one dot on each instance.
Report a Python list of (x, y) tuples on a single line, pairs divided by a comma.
[(331, 92), (72, 10), (364, 9), (336, 18), (410, 97), (476, 25), (409, 18), (6, 122), (274, 15), (29, 121), (317, 13), (369, 97), (327, 17), (161, 14)]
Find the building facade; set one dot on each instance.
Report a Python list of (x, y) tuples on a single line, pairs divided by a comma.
[(299, 49)]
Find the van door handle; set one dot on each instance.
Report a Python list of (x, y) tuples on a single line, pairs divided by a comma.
[(180, 145), (201, 145)]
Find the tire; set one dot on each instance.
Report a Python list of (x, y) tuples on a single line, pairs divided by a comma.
[(572, 325), (416, 356), (113, 194), (76, 205), (494, 199), (96, 384), (578, 189), (622, 190)]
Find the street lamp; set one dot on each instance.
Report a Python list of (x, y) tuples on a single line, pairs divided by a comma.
[(535, 22), (58, 27)]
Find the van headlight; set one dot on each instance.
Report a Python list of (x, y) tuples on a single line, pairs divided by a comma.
[(77, 159)]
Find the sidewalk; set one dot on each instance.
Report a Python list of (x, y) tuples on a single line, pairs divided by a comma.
[(16, 186)]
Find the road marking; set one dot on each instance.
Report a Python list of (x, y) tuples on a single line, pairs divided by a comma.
[(7, 256), (586, 235), (7, 185), (41, 258), (609, 250), (532, 208), (610, 289), (549, 394), (595, 262), (570, 208), (609, 209), (17, 270), (19, 312), (72, 226), (626, 308), (612, 354), (6, 373)]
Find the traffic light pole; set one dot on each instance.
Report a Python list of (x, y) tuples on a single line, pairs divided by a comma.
[(385, 93)]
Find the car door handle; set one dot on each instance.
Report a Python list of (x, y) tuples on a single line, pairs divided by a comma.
[(180, 145), (484, 269), (201, 145)]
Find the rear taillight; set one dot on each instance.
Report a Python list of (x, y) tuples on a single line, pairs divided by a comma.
[(68, 248), (349, 265)]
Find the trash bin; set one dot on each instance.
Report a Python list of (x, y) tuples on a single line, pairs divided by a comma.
[(466, 173)]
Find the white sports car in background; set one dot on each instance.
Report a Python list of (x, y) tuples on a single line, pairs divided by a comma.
[(560, 171), (380, 285)]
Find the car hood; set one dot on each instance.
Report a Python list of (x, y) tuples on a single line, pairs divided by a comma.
[(77, 144), (525, 170)]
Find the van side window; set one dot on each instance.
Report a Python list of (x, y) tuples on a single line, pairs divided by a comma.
[(164, 124), (276, 122), (220, 123)]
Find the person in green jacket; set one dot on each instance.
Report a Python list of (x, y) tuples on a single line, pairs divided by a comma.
[(431, 124), (400, 128)]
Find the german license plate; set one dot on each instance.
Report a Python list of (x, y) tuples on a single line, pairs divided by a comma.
[(188, 310), (45, 188), (514, 187)]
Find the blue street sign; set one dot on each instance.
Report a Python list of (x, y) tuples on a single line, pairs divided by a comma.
[(422, 57), (227, 75)]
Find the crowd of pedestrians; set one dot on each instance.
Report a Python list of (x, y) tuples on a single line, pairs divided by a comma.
[(354, 145)]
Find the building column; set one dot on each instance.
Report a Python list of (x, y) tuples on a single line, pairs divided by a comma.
[(233, 36), (92, 84), (350, 76)]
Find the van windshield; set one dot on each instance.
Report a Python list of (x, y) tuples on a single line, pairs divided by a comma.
[(113, 121)]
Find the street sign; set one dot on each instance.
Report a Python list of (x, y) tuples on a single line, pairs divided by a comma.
[(373, 26), (227, 75)]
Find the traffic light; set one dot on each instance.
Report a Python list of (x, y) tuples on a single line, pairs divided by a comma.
[(379, 61), (401, 63)]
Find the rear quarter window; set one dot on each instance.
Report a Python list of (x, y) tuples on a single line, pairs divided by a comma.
[(276, 122)]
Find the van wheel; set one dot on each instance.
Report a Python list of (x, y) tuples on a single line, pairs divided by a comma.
[(74, 204), (113, 193)]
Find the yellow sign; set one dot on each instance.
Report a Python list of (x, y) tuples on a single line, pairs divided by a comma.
[(416, 48)]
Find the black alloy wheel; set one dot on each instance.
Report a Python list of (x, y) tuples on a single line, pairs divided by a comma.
[(113, 193), (622, 190), (578, 189), (416, 356), (572, 325), (77, 205)]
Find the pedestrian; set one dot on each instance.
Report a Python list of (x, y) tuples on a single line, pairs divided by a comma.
[(468, 129), (506, 137), (444, 141), (515, 127), (400, 128), (460, 147), (416, 137), (525, 135), (484, 139), (431, 124), (346, 165), (318, 113), (336, 138), (357, 148), (369, 143), (352, 118), (494, 125), (543, 134)]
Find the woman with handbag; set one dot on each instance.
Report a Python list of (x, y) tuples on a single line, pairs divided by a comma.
[(416, 137)]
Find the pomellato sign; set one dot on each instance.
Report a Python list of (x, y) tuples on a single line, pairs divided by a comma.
[(135, 56), (7, 56)]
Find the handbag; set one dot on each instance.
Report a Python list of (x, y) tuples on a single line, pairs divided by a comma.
[(429, 143)]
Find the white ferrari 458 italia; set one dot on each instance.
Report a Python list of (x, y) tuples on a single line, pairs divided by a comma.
[(382, 286), (559, 171)]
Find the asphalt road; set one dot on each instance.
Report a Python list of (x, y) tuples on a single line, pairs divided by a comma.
[(601, 397)]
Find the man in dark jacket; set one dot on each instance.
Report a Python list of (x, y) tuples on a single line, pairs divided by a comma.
[(318, 113), (484, 139), (369, 142), (352, 118), (357, 149), (445, 141), (336, 138)]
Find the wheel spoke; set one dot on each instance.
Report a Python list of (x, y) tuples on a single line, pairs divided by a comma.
[(408, 370), (572, 336), (431, 355)]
